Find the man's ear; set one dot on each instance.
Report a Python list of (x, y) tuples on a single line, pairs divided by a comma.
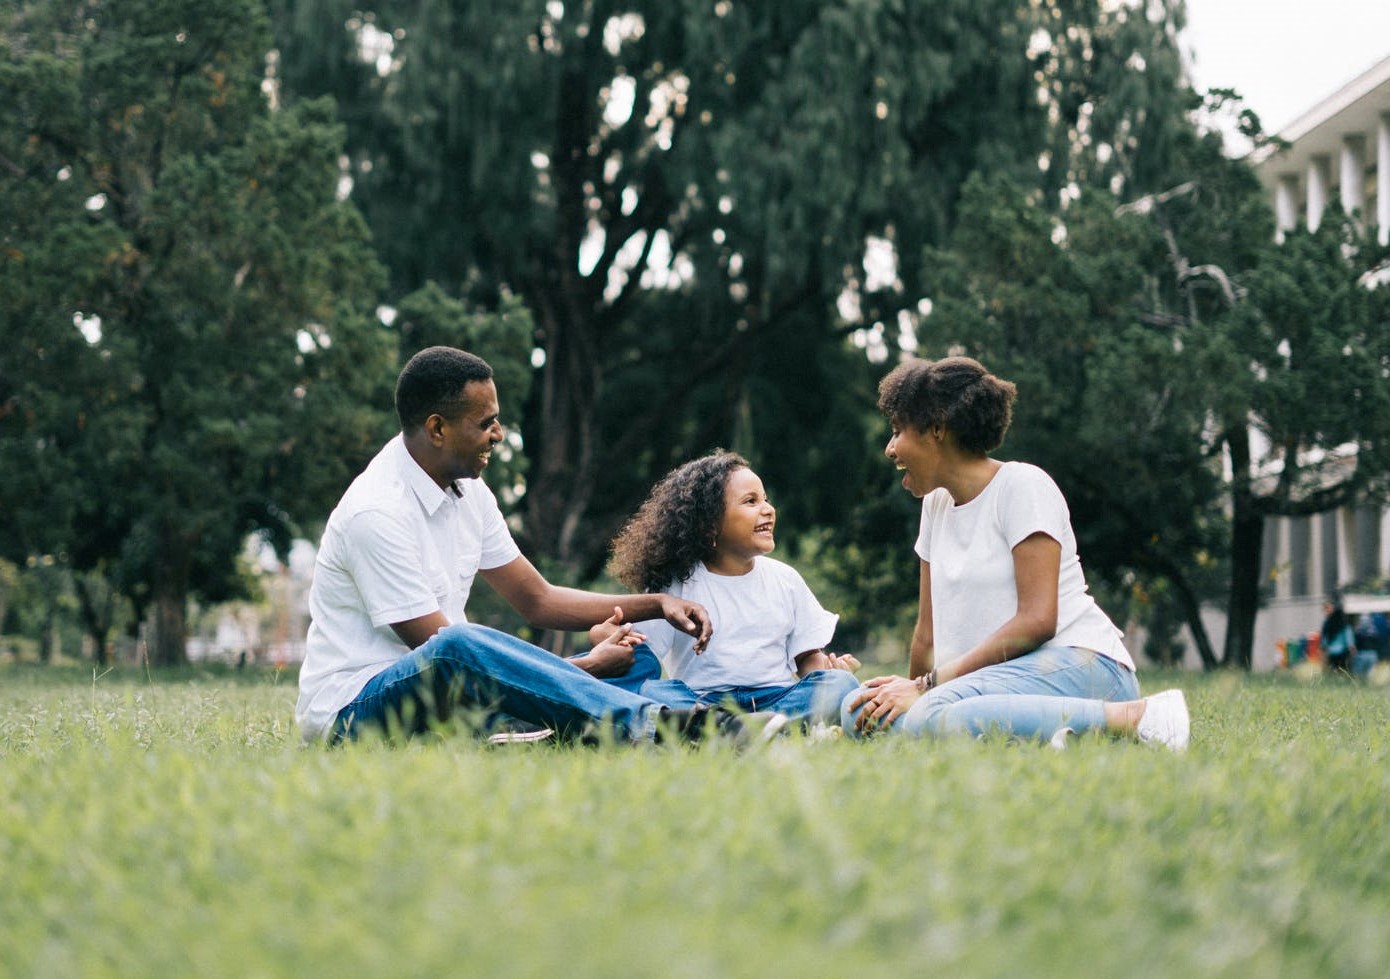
[(434, 428)]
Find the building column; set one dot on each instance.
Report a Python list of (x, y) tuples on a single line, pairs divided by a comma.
[(1353, 176), (1285, 205), (1383, 178), (1318, 181)]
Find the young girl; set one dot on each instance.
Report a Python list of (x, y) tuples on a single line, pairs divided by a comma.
[(1007, 636), (704, 534)]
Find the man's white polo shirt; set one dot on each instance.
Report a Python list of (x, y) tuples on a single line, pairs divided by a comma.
[(396, 547)]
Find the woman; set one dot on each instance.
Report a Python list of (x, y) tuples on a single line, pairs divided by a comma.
[(1007, 637)]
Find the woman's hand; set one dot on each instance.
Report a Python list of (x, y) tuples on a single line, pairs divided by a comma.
[(885, 699)]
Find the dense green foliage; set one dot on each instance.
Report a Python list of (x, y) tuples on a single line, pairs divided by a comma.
[(669, 226), (190, 348), (173, 826), (683, 193), (1158, 337)]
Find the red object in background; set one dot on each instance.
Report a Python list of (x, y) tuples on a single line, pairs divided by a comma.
[(1314, 648)]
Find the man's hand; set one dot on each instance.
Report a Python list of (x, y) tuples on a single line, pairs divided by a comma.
[(689, 618), (885, 699)]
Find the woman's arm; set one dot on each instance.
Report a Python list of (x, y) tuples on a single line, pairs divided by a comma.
[(1037, 567), (922, 652)]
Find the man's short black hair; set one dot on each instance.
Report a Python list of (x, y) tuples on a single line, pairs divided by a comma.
[(432, 383)]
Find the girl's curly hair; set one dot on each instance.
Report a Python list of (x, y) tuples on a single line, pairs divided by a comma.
[(674, 529)]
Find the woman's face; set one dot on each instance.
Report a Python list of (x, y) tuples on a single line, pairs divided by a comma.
[(917, 454)]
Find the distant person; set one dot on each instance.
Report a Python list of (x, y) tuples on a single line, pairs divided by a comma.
[(1336, 637), (1372, 641), (1007, 636), (704, 534), (389, 645)]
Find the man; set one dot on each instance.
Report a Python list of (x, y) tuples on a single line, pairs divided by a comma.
[(389, 644)]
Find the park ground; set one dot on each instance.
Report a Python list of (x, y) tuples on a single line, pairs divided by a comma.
[(173, 825)]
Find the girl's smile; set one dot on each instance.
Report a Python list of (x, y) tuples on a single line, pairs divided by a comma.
[(747, 528)]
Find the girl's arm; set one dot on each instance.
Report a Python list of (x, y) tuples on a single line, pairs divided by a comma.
[(1037, 567), (819, 659)]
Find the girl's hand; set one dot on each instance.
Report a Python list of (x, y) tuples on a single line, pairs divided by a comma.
[(884, 699), (612, 625), (611, 655), (843, 661)]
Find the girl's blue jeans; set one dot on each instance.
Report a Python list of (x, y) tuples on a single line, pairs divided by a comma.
[(1031, 697), (815, 697), (473, 667)]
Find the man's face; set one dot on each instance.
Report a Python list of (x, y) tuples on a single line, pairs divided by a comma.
[(470, 436)]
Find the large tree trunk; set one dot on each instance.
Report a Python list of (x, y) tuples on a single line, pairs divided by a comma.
[(1192, 613), (169, 645), (96, 603), (1247, 539)]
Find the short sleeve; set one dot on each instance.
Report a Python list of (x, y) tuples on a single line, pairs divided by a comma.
[(498, 545), (1035, 505), (933, 505), (813, 626)]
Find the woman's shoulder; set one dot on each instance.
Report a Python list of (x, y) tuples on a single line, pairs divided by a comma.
[(1024, 477)]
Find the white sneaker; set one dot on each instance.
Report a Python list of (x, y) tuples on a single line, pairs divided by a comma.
[(764, 726), (522, 737), (1165, 720), (1062, 739)]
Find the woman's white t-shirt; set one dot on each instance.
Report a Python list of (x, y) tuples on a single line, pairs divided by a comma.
[(970, 550), (762, 620)]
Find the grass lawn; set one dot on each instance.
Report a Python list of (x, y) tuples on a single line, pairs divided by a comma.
[(174, 826)]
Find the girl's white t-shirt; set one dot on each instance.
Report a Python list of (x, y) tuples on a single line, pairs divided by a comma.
[(970, 550), (762, 620)]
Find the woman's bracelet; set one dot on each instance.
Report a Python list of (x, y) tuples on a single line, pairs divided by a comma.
[(926, 681)]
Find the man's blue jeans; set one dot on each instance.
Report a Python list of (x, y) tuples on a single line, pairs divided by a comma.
[(1030, 697), (473, 667), (815, 697)]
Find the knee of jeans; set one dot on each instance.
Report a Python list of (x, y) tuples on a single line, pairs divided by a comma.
[(848, 715)]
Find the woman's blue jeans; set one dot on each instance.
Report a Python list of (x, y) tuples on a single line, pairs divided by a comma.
[(476, 668), (1032, 697), (815, 697)]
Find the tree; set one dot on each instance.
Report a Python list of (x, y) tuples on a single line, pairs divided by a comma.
[(191, 349), (1305, 411), (682, 194), (1194, 360), (1108, 402)]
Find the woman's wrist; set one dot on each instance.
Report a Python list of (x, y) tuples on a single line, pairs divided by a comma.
[(926, 681)]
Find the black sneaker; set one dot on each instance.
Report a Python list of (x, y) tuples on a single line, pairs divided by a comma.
[(699, 725)]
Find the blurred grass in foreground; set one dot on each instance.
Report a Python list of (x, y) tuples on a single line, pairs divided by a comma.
[(174, 826)]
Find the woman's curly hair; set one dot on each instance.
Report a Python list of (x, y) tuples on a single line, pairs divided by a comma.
[(956, 392), (674, 529)]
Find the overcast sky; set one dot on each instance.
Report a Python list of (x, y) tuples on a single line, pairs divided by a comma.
[(1285, 56)]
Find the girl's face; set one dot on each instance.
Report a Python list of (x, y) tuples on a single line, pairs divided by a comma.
[(917, 453), (746, 530)]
